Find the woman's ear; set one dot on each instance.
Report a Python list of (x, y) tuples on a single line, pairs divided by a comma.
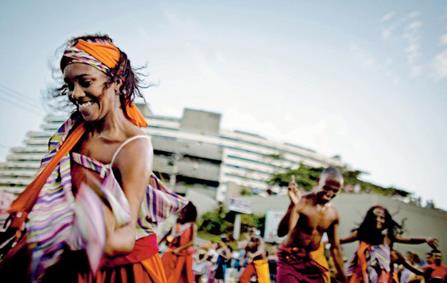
[(118, 83)]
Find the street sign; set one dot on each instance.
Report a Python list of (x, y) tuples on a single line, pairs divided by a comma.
[(239, 205), (272, 219)]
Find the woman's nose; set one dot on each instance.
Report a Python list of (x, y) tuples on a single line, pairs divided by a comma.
[(77, 91)]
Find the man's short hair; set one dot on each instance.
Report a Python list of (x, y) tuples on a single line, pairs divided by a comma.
[(333, 172)]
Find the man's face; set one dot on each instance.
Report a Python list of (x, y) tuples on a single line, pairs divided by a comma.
[(429, 257), (437, 258), (329, 188)]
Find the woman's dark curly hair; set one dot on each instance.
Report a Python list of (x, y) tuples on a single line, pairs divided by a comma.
[(130, 77), (367, 231), (189, 214)]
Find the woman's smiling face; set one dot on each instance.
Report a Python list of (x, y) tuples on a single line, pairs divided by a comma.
[(89, 91)]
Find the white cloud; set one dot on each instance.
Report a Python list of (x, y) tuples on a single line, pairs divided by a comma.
[(440, 65), (390, 25), (387, 33), (387, 17), (412, 38), (444, 39), (365, 58)]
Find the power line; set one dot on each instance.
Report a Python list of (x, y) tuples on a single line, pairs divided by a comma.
[(14, 91), (13, 95), (22, 106)]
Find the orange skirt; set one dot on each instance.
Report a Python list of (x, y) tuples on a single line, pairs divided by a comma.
[(178, 267), (142, 265), (74, 268)]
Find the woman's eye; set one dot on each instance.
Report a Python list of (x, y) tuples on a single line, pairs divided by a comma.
[(70, 86), (84, 83)]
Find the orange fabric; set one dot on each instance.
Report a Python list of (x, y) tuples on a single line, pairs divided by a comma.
[(178, 267), (135, 115), (25, 201), (319, 257), (248, 272), (154, 267), (106, 53), (363, 264), (144, 248), (148, 271)]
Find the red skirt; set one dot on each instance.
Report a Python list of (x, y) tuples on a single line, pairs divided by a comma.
[(142, 265)]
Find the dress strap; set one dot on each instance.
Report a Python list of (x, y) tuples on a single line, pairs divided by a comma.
[(124, 143)]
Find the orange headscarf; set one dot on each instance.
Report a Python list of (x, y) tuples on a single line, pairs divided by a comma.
[(104, 56)]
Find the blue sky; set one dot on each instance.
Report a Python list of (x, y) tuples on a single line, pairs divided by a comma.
[(360, 79)]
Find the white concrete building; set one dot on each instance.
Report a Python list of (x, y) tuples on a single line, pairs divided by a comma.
[(190, 150)]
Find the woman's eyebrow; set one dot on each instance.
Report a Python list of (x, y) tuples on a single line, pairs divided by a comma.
[(77, 77)]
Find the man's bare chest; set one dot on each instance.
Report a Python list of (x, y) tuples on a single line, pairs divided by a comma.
[(317, 218)]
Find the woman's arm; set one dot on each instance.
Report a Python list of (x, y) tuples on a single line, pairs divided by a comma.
[(349, 239), (432, 242), (134, 163), (190, 243), (165, 237), (400, 259)]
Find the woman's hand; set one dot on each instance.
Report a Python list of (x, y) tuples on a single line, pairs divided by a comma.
[(432, 242)]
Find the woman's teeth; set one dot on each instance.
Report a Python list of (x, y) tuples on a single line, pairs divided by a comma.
[(84, 104)]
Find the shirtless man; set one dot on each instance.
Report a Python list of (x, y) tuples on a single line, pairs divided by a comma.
[(307, 219), (257, 260)]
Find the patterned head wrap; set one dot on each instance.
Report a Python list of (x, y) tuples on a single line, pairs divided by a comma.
[(104, 56), (101, 54)]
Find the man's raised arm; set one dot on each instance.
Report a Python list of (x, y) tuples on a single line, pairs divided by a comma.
[(295, 197)]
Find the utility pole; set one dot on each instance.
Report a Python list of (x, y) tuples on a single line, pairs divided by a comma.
[(173, 177)]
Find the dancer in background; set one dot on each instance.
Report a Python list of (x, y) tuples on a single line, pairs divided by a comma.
[(178, 259), (436, 272), (307, 219), (257, 263), (377, 233)]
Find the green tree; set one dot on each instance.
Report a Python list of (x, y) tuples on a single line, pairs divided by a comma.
[(307, 178)]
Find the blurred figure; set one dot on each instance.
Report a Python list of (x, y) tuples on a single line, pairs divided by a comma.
[(224, 255), (436, 272), (408, 275), (201, 268), (376, 235), (257, 264), (272, 259), (307, 219), (178, 258), (428, 258)]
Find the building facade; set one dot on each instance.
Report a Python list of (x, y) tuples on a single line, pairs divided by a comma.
[(192, 150)]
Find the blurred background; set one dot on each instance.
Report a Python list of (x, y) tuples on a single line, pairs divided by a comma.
[(246, 94)]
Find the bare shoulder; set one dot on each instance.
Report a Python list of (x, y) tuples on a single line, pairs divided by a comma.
[(305, 201), (309, 197), (136, 150), (333, 212)]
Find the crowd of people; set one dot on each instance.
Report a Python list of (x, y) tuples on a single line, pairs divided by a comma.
[(90, 214)]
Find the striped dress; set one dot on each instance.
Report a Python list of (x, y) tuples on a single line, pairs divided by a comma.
[(51, 221)]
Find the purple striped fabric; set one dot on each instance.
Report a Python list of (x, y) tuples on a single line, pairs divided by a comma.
[(51, 220)]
